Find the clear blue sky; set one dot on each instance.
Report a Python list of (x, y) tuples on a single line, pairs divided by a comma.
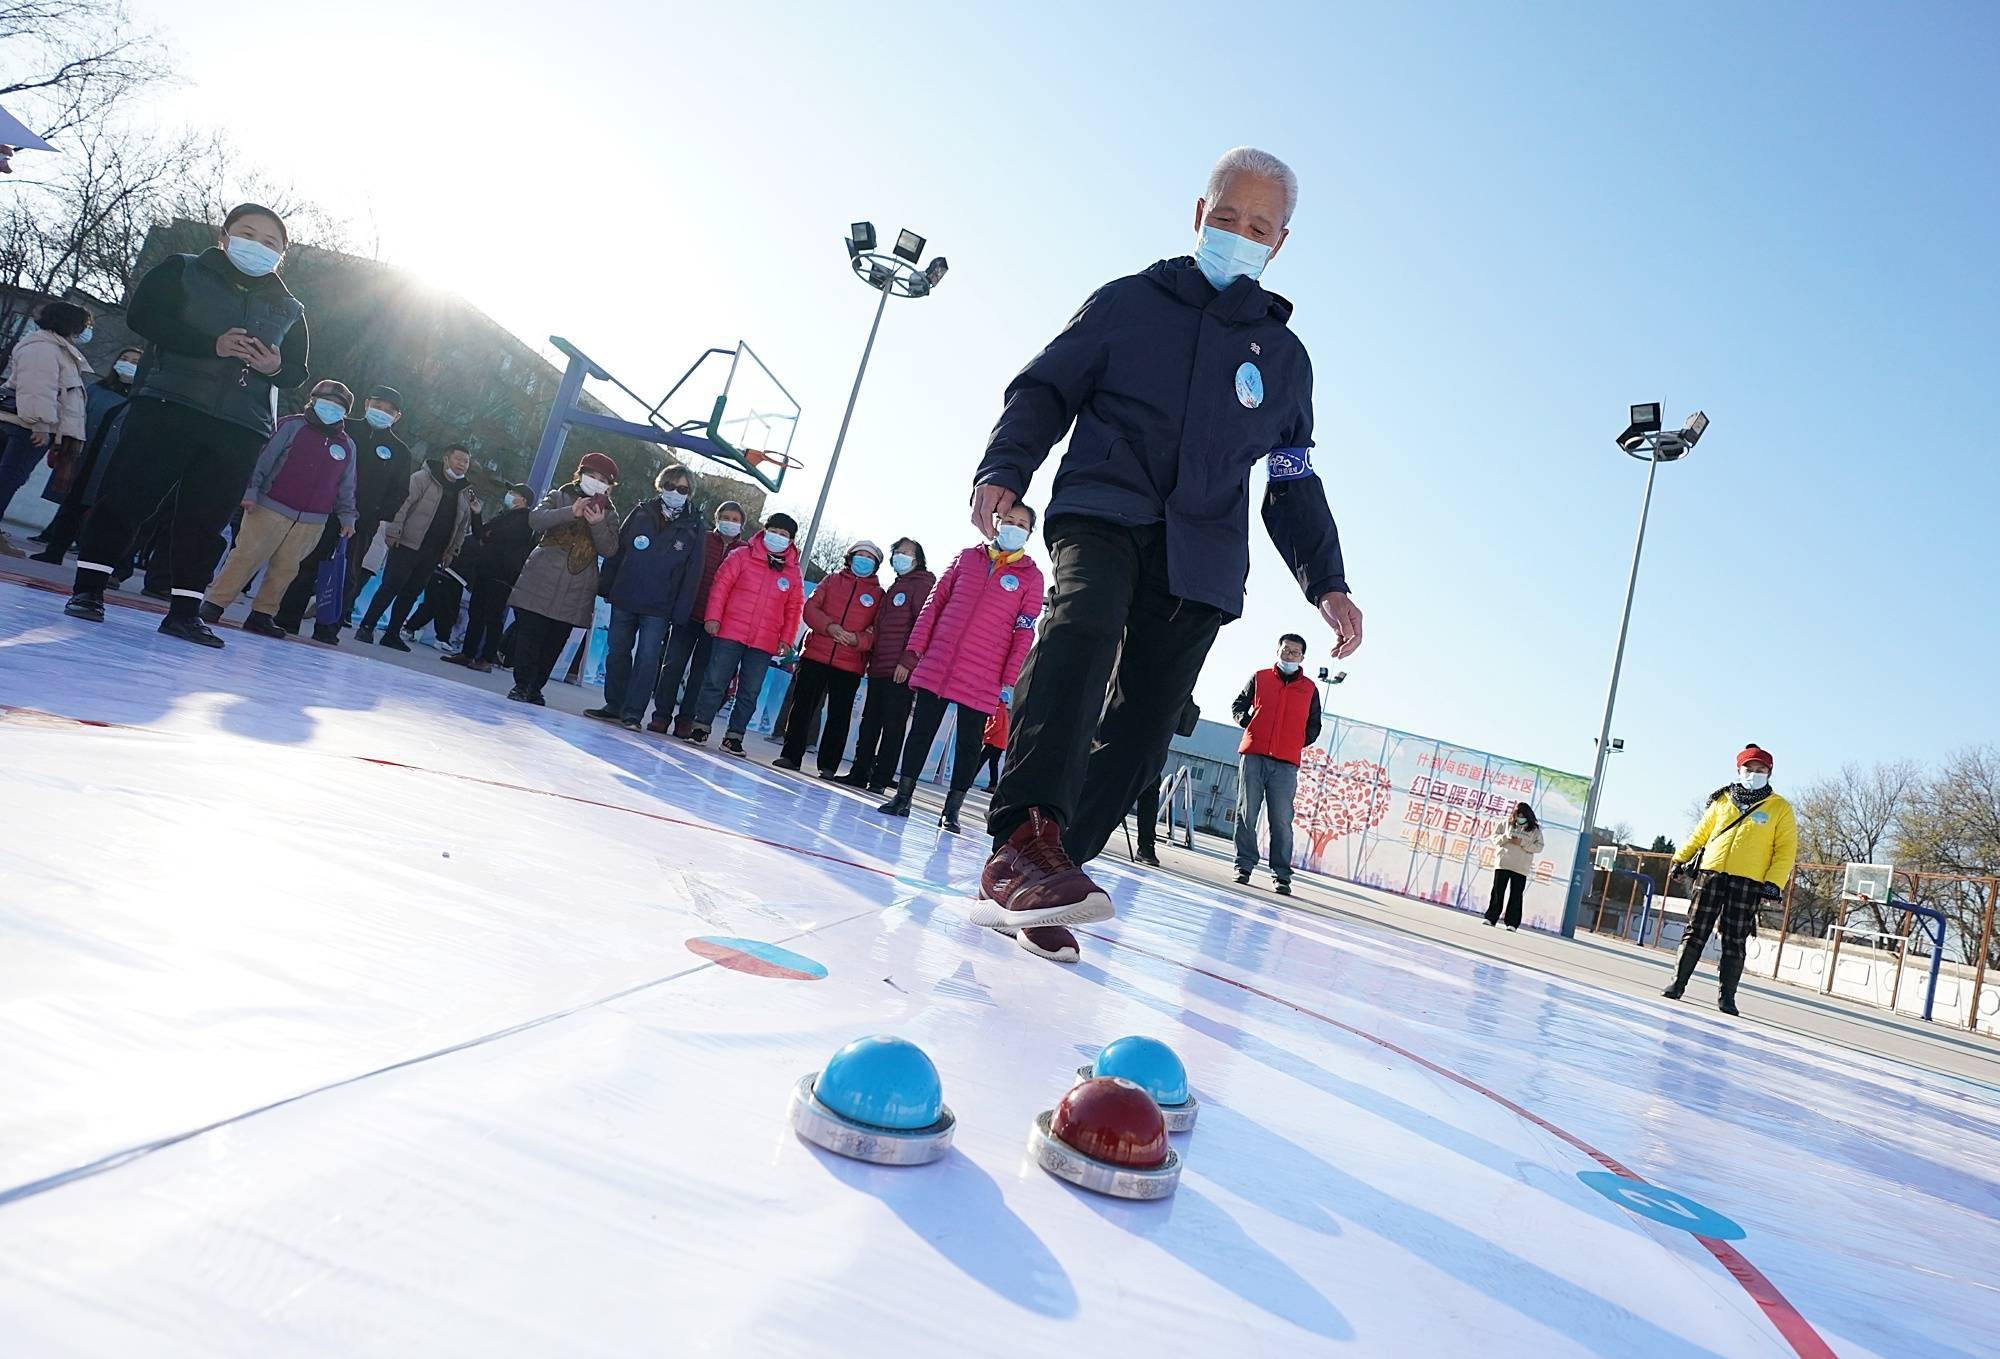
[(1515, 221)]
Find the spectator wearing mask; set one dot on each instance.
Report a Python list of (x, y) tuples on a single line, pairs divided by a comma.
[(381, 481), (556, 591), (226, 337), (1515, 846), (650, 585), (1279, 713), (685, 663), (504, 545), (753, 611), (427, 532), (841, 614), (103, 399), (1746, 845), (885, 712), (967, 649), (303, 480), (49, 419)]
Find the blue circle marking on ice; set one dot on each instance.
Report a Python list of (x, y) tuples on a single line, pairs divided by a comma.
[(1662, 1205), (884, 1081), (1250, 386), (1147, 1063), (642, 542)]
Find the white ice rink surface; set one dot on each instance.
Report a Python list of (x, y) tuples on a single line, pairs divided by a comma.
[(347, 1012)]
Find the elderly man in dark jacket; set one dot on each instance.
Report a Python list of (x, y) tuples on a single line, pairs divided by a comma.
[(1178, 380), (686, 652), (651, 583), (381, 478)]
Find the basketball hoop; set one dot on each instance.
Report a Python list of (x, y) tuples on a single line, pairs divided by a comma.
[(758, 457)]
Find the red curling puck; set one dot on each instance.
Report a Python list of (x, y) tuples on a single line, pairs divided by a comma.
[(1112, 1120)]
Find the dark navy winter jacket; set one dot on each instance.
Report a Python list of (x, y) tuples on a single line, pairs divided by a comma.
[(1177, 391), (658, 567)]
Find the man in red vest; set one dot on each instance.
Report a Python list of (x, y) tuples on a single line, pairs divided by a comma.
[(1279, 713)]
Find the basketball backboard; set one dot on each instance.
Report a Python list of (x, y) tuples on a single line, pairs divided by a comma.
[(1867, 882), (1604, 858)]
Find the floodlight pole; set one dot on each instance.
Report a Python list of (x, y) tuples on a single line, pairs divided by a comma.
[(833, 463), (1611, 695)]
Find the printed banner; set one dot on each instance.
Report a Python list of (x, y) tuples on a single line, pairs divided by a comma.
[(1416, 816)]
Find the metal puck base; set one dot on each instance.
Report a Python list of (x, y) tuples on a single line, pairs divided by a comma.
[(823, 1127), (1064, 1162), (1177, 1117)]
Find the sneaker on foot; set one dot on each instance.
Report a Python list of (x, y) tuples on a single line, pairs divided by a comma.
[(50, 555), (697, 736), (1030, 882), (1727, 1006), (1148, 858), (629, 723), (602, 714), (518, 694), (1672, 993), (392, 642), (208, 613), (1242, 879), (658, 727), (1053, 942), (1283, 889), (326, 636), (263, 625), (364, 634), (85, 605), (782, 762), (732, 745)]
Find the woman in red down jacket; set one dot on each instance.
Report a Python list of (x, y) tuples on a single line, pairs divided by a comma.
[(885, 711), (841, 613), (753, 613), (967, 649)]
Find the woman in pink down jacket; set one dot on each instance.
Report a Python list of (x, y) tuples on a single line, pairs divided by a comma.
[(753, 613), (967, 649)]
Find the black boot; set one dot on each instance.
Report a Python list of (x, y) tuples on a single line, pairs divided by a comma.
[(1732, 972), (189, 628), (899, 805), (263, 625), (1683, 970), (949, 820), (87, 605), (208, 613)]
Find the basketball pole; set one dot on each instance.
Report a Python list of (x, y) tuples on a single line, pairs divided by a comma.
[(840, 440)]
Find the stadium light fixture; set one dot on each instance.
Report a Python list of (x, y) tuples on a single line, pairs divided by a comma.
[(860, 239), (909, 246), (1645, 421), (934, 271), (1693, 428)]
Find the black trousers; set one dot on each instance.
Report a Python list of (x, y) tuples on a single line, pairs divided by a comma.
[(442, 598), (1112, 624), (926, 717), (1508, 887), (989, 760), (885, 720), (813, 682), (485, 617), (298, 600), (538, 641), (405, 573), (1147, 810), (683, 670), (168, 450)]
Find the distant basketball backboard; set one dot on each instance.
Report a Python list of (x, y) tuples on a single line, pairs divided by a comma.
[(1604, 857), (1867, 882), (727, 407)]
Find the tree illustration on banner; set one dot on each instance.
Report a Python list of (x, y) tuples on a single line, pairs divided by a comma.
[(1337, 800)]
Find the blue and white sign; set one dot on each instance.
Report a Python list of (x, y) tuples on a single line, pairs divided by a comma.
[(1662, 1205), (1250, 386)]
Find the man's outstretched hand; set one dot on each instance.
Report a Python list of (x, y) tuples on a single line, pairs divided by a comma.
[(989, 502), (1344, 618)]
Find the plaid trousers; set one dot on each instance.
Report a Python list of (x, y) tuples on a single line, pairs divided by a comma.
[(1730, 901)]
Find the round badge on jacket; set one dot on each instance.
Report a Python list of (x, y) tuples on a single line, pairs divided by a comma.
[(642, 542), (784, 582), (382, 451), (1250, 386), (899, 599), (866, 600), (339, 453), (1010, 582)]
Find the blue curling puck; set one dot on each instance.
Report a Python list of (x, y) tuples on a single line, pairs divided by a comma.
[(882, 1081), (1147, 1063)]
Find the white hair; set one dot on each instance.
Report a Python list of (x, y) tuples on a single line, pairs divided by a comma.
[(1250, 160)]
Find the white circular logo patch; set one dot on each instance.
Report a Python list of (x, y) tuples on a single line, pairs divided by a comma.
[(382, 452), (899, 599), (866, 600), (339, 453), (1250, 386), (784, 582), (642, 542), (1010, 582)]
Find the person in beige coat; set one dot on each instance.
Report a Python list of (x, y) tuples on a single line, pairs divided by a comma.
[(1515, 846), (425, 534), (46, 377), (557, 588)]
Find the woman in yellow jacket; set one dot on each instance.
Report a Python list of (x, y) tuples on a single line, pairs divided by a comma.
[(1747, 841)]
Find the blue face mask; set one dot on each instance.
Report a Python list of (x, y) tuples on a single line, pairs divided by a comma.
[(902, 562), (673, 500), (1225, 257), (865, 566), (329, 412), (380, 418), (1289, 667), (84, 338), (775, 543), (251, 257), (1011, 538)]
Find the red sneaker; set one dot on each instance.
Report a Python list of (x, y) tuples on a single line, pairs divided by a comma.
[(1053, 942), (1030, 882)]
